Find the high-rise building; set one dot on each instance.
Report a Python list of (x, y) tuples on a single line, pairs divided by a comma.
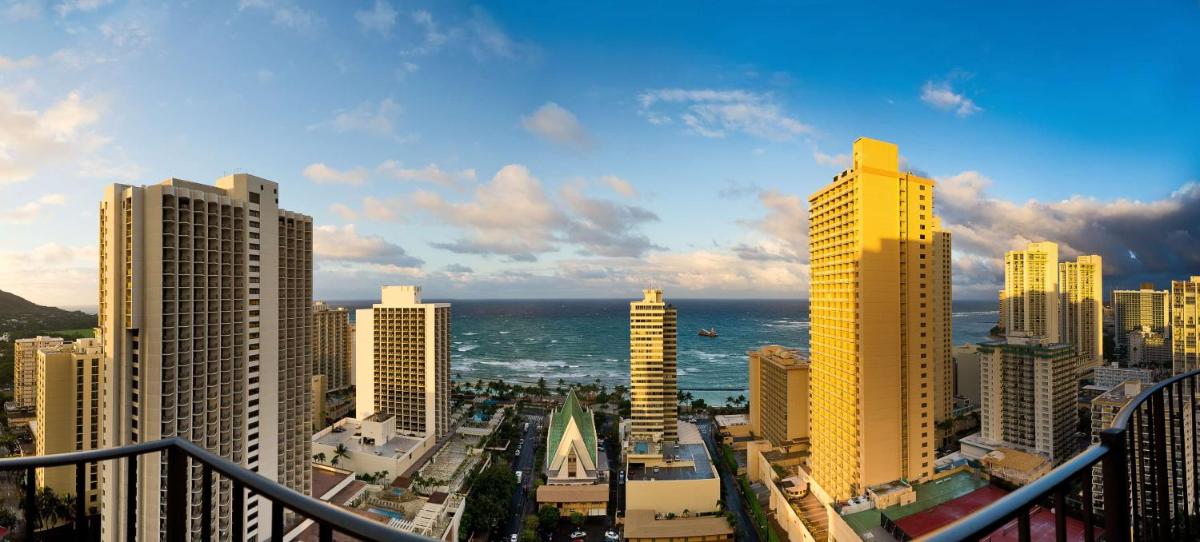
[(1030, 386), (1031, 294), (332, 345), (1148, 349), (205, 316), (1185, 325), (1134, 309), (333, 349), (68, 412), (25, 368), (403, 361), (652, 373), (779, 394), (1104, 409), (943, 338), (1081, 309), (876, 312)]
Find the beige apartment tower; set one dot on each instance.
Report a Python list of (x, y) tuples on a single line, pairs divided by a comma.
[(1031, 294), (68, 413), (332, 345), (403, 361), (876, 306), (206, 317), (1081, 310), (1135, 309), (779, 394), (1185, 325), (652, 370), (25, 368)]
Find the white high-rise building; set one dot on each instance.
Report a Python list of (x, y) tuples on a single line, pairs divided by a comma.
[(402, 361), (1031, 299), (205, 317), (25, 368), (1135, 309), (1081, 310)]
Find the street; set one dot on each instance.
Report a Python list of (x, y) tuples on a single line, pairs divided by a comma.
[(733, 499), (520, 504)]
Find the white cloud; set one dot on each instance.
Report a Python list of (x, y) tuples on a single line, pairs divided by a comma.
[(380, 18), (322, 174), (942, 96), (347, 245), (619, 185), (432, 36), (836, 161), (343, 211), (129, 34), (367, 117), (431, 173), (716, 113), (283, 13), (510, 216), (489, 40), (264, 76), (384, 209), (28, 10), (51, 274), (7, 63), (82, 6), (556, 125), (31, 140), (31, 211)]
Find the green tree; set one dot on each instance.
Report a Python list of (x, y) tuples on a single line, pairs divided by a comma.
[(577, 519), (528, 535), (319, 458), (340, 452), (548, 517)]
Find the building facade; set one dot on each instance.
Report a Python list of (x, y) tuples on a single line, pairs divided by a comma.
[(25, 368), (205, 316), (652, 371), (1148, 349), (876, 312), (1104, 409), (332, 348), (1135, 309), (1029, 393), (779, 394), (1185, 325), (1031, 294), (68, 413), (402, 361), (1081, 309)]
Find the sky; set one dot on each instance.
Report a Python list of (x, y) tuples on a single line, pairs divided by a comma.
[(542, 150)]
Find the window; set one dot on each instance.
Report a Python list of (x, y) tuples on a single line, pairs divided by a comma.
[(254, 198)]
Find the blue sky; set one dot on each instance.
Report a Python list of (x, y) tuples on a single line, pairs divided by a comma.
[(524, 149)]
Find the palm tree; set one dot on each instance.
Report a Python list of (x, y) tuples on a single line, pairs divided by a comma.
[(319, 458), (729, 399), (340, 452)]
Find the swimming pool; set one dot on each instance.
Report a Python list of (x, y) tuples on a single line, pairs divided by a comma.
[(385, 512)]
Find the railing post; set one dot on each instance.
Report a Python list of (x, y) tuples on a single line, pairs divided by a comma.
[(81, 526), (177, 490), (131, 513), (1115, 471), (31, 512)]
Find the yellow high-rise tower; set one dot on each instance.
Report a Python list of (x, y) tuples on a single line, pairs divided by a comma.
[(1185, 324), (1031, 291), (1081, 310), (876, 306), (652, 377)]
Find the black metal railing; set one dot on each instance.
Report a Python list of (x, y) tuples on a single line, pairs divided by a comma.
[(180, 455), (1149, 471)]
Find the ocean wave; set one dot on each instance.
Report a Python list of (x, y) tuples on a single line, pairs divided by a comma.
[(707, 356), (788, 324), (469, 333), (974, 313), (505, 332), (467, 347)]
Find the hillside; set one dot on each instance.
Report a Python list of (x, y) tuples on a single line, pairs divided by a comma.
[(21, 318)]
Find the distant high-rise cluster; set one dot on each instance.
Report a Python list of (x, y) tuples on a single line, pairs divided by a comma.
[(1136, 309), (878, 308), (1185, 324)]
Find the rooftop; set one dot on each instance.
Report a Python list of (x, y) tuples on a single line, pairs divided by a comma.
[(726, 420), (641, 524), (351, 437), (572, 493), (696, 453), (929, 495)]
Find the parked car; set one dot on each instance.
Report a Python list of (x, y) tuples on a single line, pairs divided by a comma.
[(512, 537), (579, 534), (612, 535)]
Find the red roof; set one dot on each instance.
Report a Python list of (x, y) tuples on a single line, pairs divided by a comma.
[(1041, 520)]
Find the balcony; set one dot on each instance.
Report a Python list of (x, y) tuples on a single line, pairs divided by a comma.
[(180, 457), (1149, 476)]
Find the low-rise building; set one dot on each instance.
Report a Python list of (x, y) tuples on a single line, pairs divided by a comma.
[(1107, 376), (667, 485), (779, 394), (1015, 466), (575, 469), (1148, 348), (1104, 409), (645, 526), (369, 446)]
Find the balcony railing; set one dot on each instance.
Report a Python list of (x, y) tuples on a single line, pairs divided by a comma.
[(1150, 467), (180, 456)]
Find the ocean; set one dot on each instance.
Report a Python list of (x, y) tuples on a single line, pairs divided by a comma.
[(584, 340)]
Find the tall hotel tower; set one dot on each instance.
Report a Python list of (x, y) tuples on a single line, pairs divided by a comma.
[(1081, 310), (1133, 309), (1185, 325), (652, 377), (402, 361), (1031, 295), (876, 314), (205, 318)]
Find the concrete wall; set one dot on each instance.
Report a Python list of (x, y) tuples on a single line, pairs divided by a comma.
[(666, 496)]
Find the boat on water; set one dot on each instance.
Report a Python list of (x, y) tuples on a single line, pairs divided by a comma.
[(708, 332)]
